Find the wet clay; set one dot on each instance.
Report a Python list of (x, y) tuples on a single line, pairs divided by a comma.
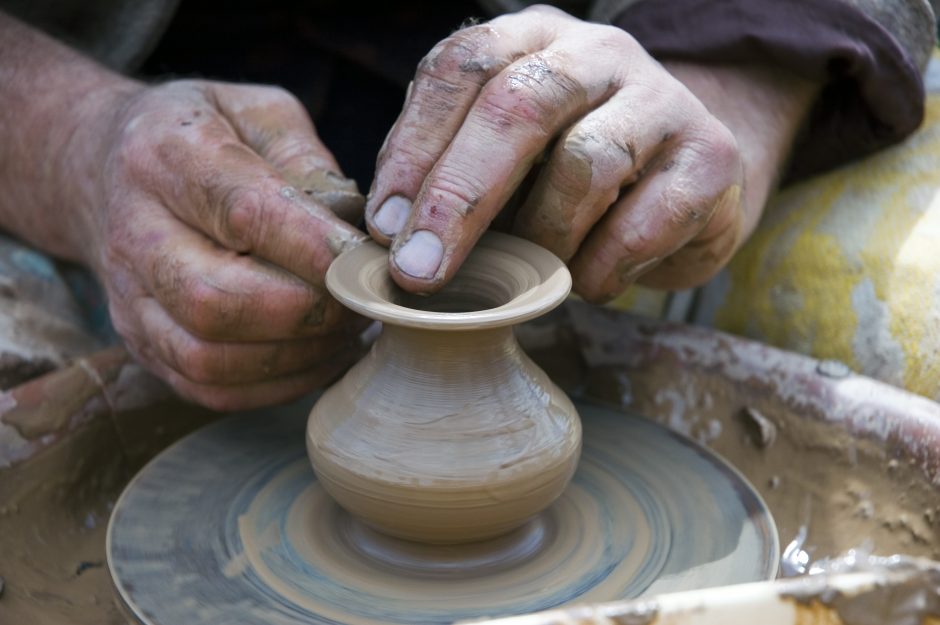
[(41, 326), (846, 460), (846, 443), (850, 590), (247, 533), (52, 525), (447, 432), (58, 487)]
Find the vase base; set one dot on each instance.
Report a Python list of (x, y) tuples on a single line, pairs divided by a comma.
[(460, 561), (230, 525)]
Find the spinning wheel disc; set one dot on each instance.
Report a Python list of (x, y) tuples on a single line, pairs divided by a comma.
[(230, 526)]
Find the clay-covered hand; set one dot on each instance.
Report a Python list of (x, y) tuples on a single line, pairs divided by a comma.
[(214, 231), (616, 165)]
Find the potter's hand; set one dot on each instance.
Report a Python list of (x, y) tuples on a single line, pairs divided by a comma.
[(213, 237), (204, 209), (632, 175)]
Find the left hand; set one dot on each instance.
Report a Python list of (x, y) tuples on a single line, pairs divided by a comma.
[(638, 176), (215, 217)]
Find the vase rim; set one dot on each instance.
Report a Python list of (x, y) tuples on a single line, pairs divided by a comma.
[(531, 279)]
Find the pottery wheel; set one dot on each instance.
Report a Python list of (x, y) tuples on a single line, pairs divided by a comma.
[(230, 526)]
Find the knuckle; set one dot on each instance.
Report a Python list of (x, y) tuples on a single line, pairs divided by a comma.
[(465, 53), (533, 93), (240, 218), (289, 149), (538, 72), (185, 87), (544, 8), (715, 159), (160, 132), (598, 154), (716, 145), (404, 156), (549, 19), (555, 208), (452, 192), (506, 109), (280, 94), (200, 362), (687, 211), (206, 310), (269, 95), (633, 242), (136, 152), (435, 91), (168, 277), (615, 38), (564, 194)]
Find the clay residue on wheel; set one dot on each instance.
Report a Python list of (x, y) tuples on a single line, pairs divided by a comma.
[(875, 484), (849, 459), (53, 514), (34, 415), (55, 504), (908, 594)]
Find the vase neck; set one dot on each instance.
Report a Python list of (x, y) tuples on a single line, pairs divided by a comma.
[(416, 348)]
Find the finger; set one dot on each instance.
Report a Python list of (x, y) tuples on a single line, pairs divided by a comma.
[(277, 126), (227, 363), (247, 396), (602, 153), (701, 258), (512, 122), (241, 202), (331, 189), (447, 82), (217, 294), (673, 203)]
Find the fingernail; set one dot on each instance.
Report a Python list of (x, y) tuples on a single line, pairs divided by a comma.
[(392, 215), (421, 255)]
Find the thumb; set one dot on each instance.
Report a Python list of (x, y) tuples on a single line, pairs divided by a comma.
[(274, 123)]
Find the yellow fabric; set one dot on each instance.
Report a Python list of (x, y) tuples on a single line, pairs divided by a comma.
[(642, 301), (847, 266)]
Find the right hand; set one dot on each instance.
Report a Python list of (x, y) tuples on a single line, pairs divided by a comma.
[(212, 234), (631, 175)]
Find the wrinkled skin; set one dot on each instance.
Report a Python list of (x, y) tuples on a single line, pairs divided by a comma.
[(212, 253), (631, 175), (210, 212)]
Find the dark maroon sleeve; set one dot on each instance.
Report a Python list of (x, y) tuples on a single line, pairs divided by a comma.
[(873, 94)]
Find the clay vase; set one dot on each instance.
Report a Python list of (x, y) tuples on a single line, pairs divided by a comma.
[(446, 432)]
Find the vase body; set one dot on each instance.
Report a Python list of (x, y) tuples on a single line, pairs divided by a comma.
[(446, 432), (444, 437)]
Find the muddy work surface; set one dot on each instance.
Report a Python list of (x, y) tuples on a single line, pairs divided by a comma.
[(841, 460), (248, 534)]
